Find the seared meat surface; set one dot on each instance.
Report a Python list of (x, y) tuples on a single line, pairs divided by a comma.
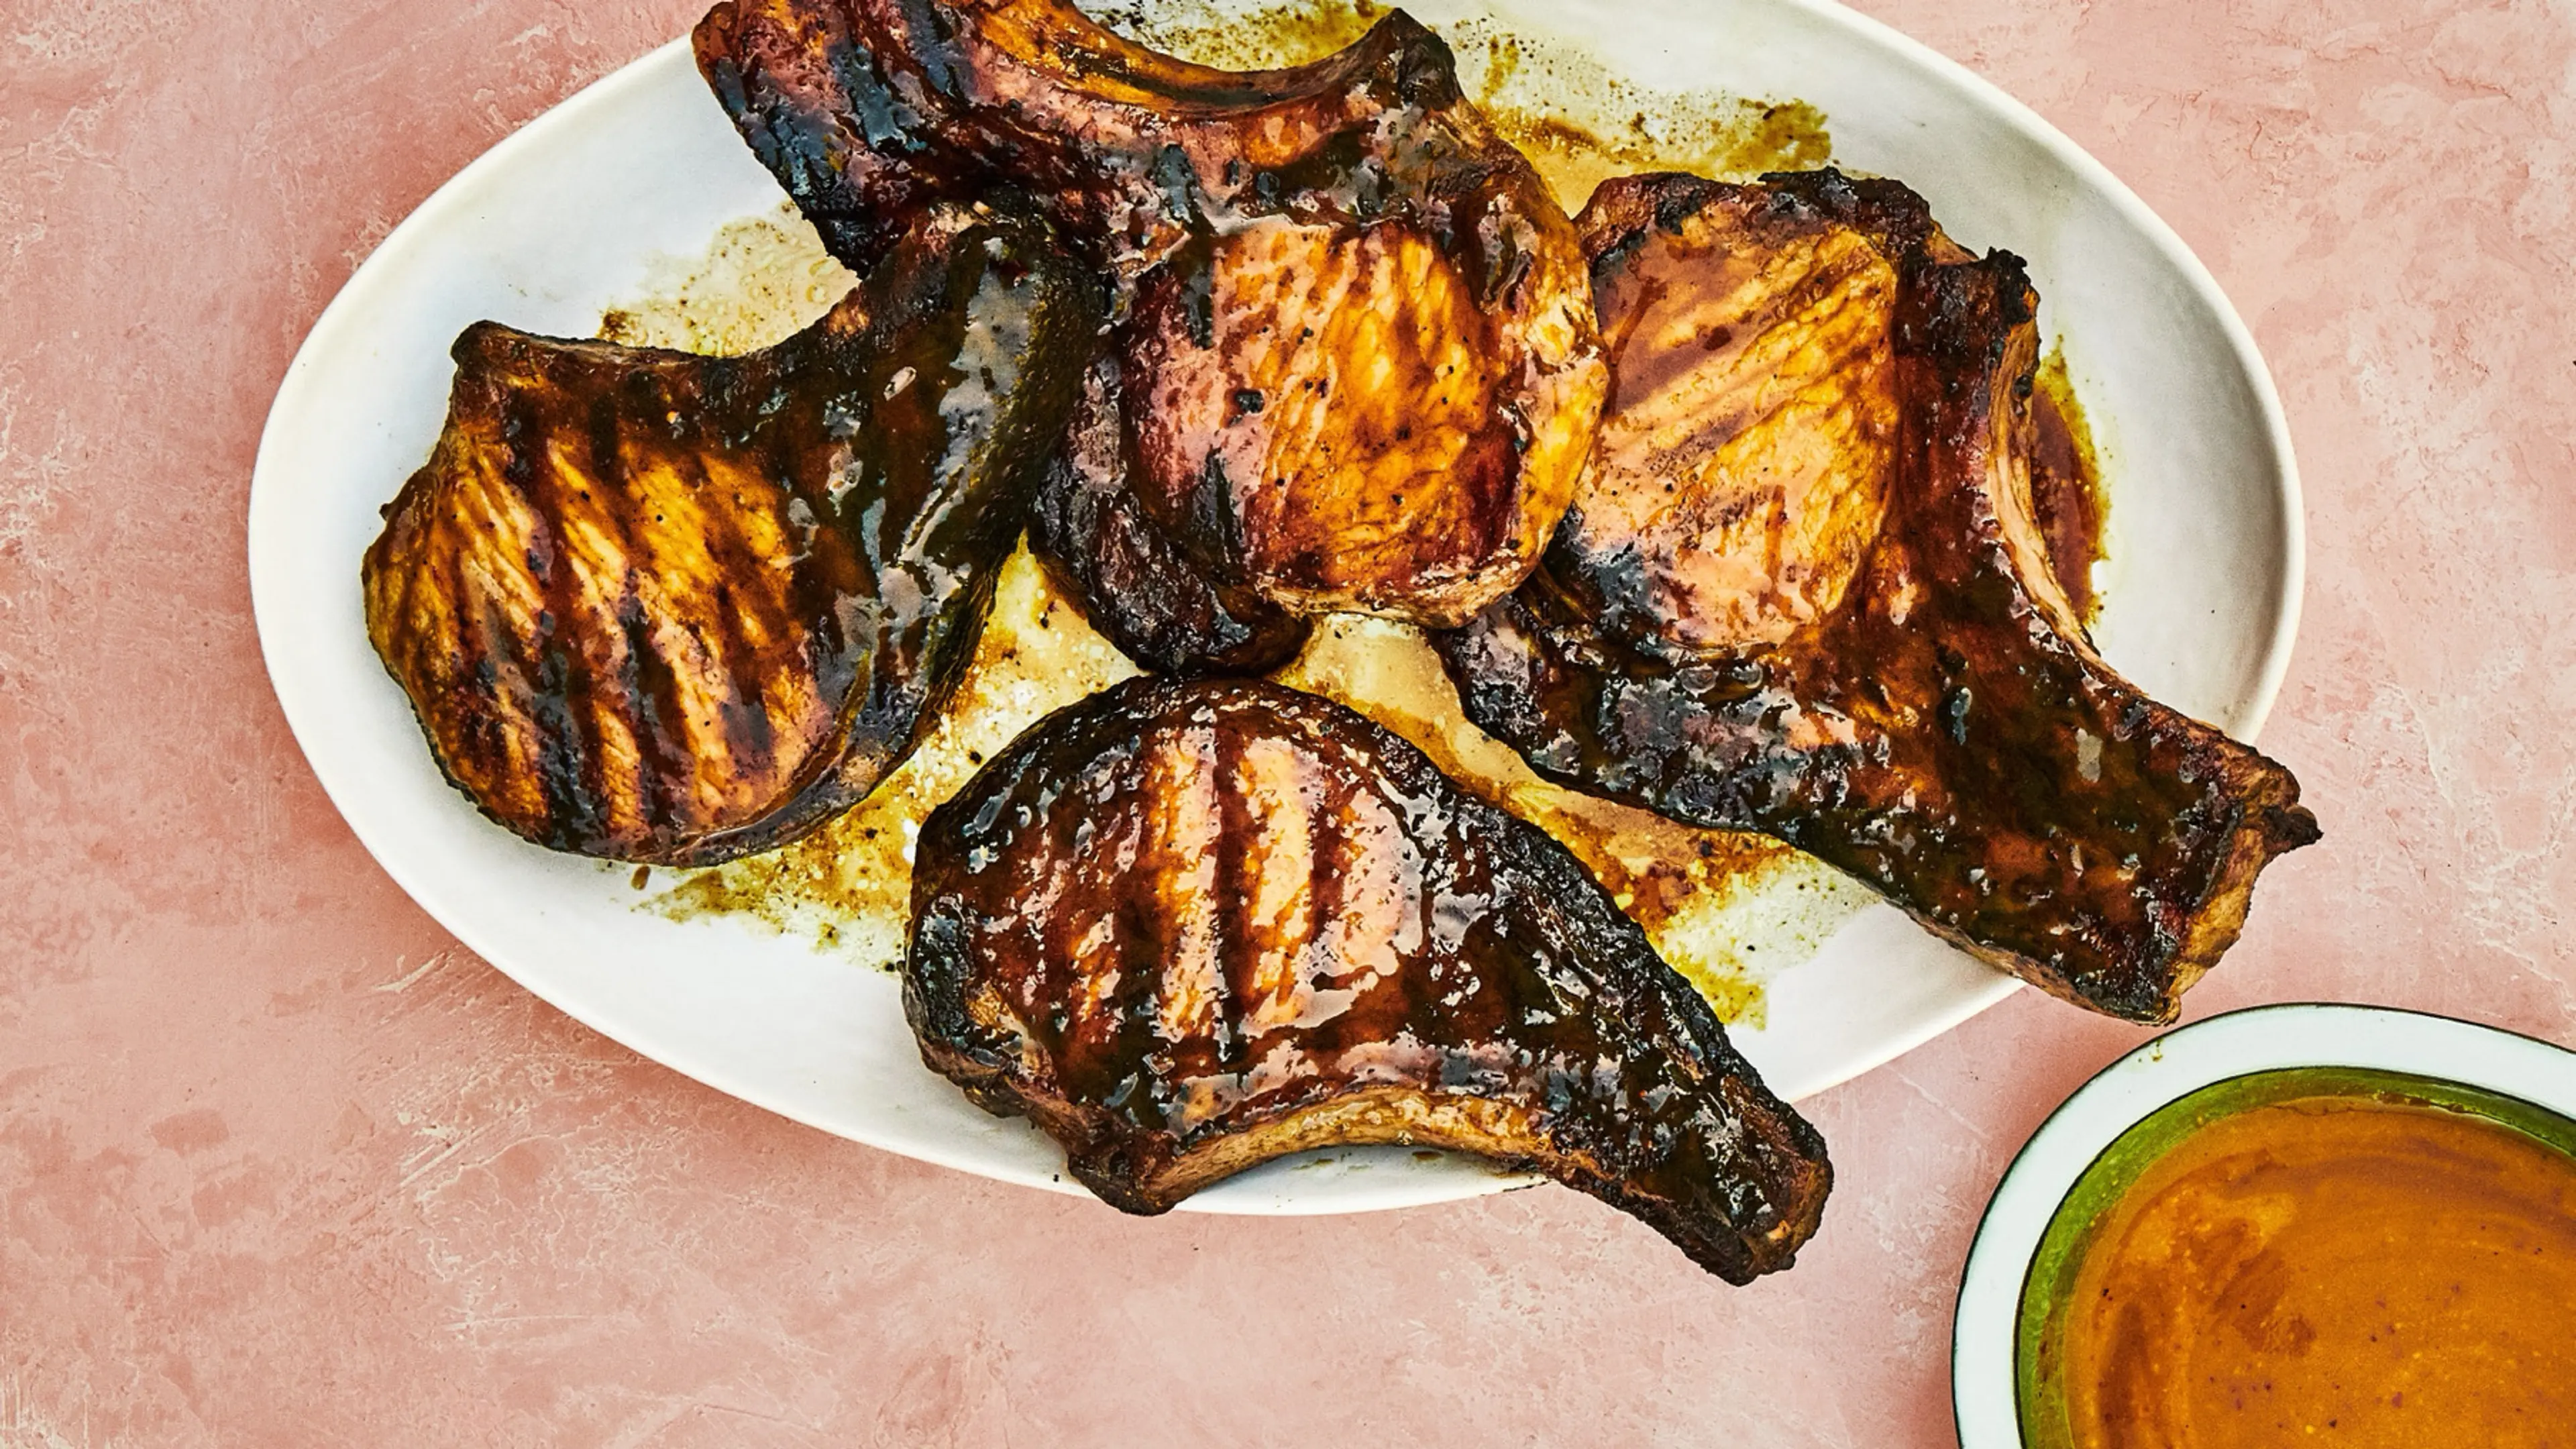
[(1135, 585), (671, 608), (1361, 371), (1803, 594), (1745, 459), (1187, 927)]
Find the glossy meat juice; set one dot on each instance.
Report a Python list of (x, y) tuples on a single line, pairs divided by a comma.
[(2332, 1269)]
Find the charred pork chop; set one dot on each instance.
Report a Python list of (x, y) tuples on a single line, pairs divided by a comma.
[(671, 608), (1803, 594), (1187, 927), (1359, 365)]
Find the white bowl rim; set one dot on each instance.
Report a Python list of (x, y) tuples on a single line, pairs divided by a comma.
[(2284, 1036)]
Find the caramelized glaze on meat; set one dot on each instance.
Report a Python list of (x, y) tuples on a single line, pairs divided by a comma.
[(671, 608), (1902, 689), (1135, 585), (1360, 361), (1189, 927), (1744, 460)]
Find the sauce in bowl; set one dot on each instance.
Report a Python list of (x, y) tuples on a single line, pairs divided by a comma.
[(2312, 1256)]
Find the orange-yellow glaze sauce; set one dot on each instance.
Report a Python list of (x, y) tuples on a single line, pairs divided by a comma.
[(2332, 1271)]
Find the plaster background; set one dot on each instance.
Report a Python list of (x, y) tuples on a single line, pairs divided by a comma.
[(279, 1164)]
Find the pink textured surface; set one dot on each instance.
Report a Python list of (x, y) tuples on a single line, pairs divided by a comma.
[(281, 1165)]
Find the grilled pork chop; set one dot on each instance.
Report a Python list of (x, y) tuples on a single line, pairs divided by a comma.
[(670, 608), (1187, 927), (1360, 368), (1803, 594)]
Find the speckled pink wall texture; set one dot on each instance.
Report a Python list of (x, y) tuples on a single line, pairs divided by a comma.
[(280, 1164)]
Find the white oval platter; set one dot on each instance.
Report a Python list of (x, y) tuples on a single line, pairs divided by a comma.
[(563, 218)]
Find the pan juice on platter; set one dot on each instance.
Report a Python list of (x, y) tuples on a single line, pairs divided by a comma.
[(2312, 1256)]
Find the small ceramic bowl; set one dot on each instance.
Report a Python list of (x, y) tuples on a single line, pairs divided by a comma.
[(1986, 1336)]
